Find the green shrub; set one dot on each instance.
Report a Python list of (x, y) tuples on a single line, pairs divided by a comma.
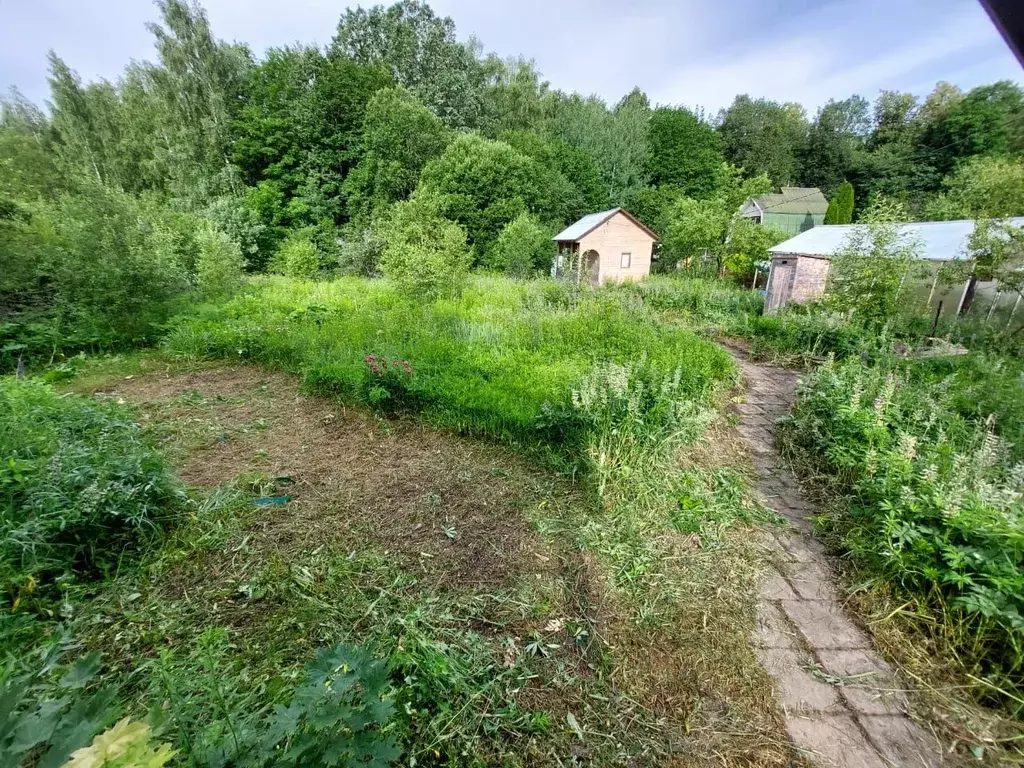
[(523, 248), (218, 263), (424, 254), (359, 254), (935, 500), (78, 487), (298, 257), (97, 267), (243, 226)]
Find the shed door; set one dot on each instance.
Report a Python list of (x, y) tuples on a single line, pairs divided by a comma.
[(780, 288)]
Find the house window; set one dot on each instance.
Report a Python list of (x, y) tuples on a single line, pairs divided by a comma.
[(626, 259)]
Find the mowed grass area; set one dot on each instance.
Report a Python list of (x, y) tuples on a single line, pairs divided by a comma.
[(460, 562)]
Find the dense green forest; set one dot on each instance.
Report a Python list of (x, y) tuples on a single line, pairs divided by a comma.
[(120, 198)]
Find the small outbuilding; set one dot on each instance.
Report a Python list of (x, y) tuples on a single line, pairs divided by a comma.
[(793, 209), (800, 265), (609, 246)]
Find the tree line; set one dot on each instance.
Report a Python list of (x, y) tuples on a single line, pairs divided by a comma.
[(398, 137)]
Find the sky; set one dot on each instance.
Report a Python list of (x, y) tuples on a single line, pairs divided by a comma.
[(698, 53)]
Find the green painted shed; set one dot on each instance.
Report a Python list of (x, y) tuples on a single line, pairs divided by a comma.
[(793, 209)]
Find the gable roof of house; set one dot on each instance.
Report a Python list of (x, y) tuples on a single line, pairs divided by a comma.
[(580, 229), (938, 240), (798, 200)]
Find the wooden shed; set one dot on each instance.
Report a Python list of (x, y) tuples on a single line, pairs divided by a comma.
[(604, 247)]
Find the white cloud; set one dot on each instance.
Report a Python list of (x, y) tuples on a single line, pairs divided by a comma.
[(810, 68), (695, 52)]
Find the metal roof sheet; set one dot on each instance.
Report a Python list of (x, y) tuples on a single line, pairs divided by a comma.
[(939, 240), (578, 229), (799, 200)]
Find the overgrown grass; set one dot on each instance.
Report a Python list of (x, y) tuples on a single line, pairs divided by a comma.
[(934, 497), (80, 488), (603, 640), (797, 335), (500, 361)]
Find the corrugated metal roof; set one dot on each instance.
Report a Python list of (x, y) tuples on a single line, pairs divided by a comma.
[(577, 230), (799, 200), (939, 240)]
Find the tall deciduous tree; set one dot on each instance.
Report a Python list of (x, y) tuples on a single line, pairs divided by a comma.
[(988, 120), (568, 171), (201, 80), (419, 49), (763, 136), (516, 97), (616, 139), (300, 129), (400, 135), (685, 151), (27, 164), (483, 185), (838, 132), (981, 188), (892, 116)]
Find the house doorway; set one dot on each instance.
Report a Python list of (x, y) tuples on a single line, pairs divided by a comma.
[(780, 287), (590, 264)]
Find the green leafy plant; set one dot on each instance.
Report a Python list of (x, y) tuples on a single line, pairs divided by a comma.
[(388, 383), (338, 716), (125, 745), (48, 713), (79, 486), (935, 501)]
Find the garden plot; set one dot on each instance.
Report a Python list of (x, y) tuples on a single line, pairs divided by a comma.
[(458, 560)]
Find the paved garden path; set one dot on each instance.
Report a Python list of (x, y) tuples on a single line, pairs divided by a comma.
[(843, 705)]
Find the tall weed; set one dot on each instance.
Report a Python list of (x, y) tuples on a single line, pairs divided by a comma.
[(935, 500), (79, 488)]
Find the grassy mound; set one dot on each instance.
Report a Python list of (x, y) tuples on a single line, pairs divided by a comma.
[(502, 360)]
